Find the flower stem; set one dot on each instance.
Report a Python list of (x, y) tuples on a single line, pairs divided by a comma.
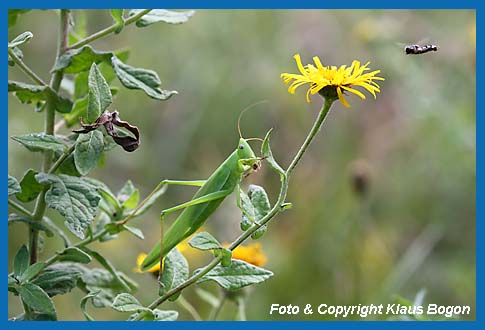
[(108, 30), (28, 71), (274, 210), (50, 115)]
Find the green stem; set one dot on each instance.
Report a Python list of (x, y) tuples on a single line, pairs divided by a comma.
[(215, 312), (270, 215), (61, 159), (79, 244), (189, 308), (50, 115), (28, 71), (241, 309), (19, 208), (108, 30)]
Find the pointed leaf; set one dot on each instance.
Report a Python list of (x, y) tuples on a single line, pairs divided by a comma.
[(136, 78), (13, 185), (268, 154), (37, 299), (160, 315), (17, 52), (81, 59), (20, 39), (108, 266), (21, 261), (59, 278), (38, 95), (32, 271), (41, 142), (107, 286), (30, 188), (74, 254), (239, 274), (204, 241), (73, 198), (175, 272), (125, 302), (162, 15), (88, 150), (99, 96)]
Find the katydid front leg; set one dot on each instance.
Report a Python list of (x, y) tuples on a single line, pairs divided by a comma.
[(157, 192)]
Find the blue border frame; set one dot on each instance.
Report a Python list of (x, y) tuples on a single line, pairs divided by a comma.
[(251, 4)]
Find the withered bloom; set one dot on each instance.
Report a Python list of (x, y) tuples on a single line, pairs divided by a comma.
[(108, 119)]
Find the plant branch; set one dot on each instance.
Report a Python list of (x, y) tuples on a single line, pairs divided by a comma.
[(61, 159), (108, 30), (278, 207), (28, 71), (19, 208), (50, 115)]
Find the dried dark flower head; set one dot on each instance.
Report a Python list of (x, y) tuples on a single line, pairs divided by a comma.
[(108, 119)]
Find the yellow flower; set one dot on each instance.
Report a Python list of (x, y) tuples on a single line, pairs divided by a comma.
[(252, 253), (331, 81), (139, 261)]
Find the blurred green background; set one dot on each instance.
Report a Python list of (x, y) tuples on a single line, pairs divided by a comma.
[(413, 149)]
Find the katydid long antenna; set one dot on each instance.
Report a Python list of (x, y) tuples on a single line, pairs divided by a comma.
[(242, 112)]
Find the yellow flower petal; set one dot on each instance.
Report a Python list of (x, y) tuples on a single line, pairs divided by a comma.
[(343, 77)]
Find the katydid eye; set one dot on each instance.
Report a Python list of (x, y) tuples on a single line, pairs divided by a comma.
[(241, 147)]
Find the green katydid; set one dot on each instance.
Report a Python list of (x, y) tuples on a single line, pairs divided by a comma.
[(212, 192)]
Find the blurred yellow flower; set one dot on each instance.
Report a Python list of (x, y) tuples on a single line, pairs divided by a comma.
[(252, 253), (139, 261), (329, 81)]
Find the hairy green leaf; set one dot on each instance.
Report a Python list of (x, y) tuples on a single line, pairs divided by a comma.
[(37, 299), (162, 15), (74, 254), (20, 39), (117, 15), (100, 280), (29, 186), (204, 241), (99, 96), (261, 206), (136, 78), (88, 150), (37, 225), (41, 142), (160, 315), (175, 272), (59, 278), (81, 59), (32, 271), (239, 274), (73, 198), (268, 154), (125, 302), (13, 185), (38, 95), (21, 261), (135, 231), (108, 266)]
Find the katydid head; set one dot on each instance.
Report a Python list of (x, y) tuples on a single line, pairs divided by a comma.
[(248, 161)]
